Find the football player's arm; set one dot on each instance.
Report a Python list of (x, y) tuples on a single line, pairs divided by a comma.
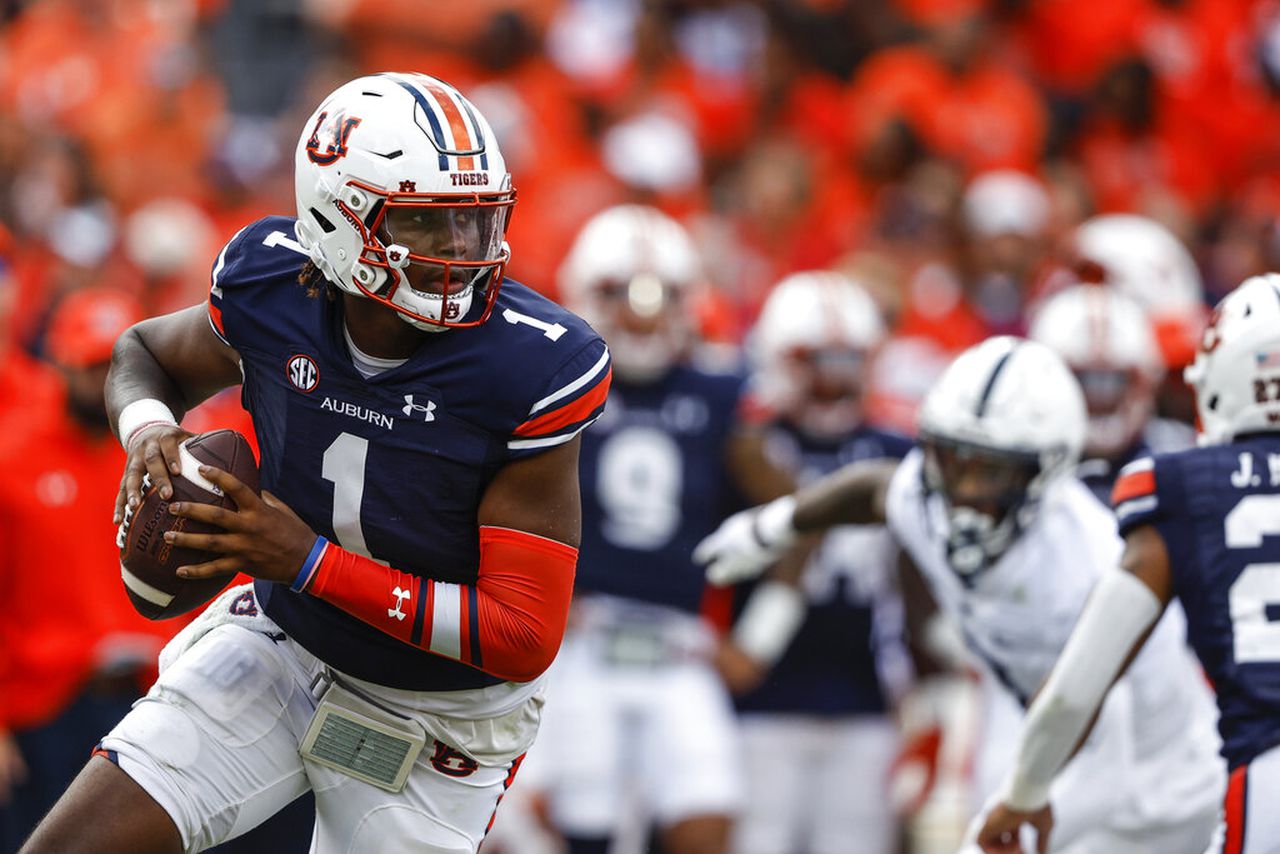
[(511, 621), (508, 624), (161, 368), (1117, 619), (777, 607), (749, 542)]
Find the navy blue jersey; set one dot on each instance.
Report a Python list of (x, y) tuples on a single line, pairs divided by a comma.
[(1218, 510), (1159, 436), (654, 484), (394, 466), (830, 667)]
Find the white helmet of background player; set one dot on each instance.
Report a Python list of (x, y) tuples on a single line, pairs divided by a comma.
[(630, 274), (403, 197), (1107, 340), (810, 346), (1236, 372), (1003, 421), (1146, 261)]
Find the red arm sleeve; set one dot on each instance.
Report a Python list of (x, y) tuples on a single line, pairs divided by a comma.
[(508, 624)]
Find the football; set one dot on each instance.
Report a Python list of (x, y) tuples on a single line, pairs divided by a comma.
[(148, 564)]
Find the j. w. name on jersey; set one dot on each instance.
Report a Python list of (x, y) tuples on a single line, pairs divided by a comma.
[(1253, 469)]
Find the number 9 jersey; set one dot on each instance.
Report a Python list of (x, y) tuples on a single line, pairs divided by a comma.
[(393, 466), (1218, 510)]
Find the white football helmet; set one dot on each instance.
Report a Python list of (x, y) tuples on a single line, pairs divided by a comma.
[(630, 274), (1141, 258), (810, 346), (1236, 372), (1004, 420), (1146, 261), (403, 197), (1106, 339)]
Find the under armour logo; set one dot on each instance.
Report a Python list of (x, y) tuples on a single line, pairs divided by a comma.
[(428, 411), (408, 186), (401, 594)]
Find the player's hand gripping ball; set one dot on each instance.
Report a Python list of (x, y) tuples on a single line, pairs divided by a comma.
[(148, 564)]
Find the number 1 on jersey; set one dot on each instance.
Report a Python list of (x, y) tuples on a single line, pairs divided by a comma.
[(343, 465), (550, 330)]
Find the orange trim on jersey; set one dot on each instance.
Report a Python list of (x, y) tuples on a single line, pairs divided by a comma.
[(1234, 808), (1134, 485), (573, 412), (461, 136), (215, 314)]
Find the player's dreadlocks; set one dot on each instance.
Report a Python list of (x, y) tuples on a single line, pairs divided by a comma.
[(315, 282)]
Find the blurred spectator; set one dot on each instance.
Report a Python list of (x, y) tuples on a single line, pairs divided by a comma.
[(954, 93), (976, 287), (73, 653)]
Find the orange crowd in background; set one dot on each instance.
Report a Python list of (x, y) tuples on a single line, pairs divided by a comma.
[(137, 136)]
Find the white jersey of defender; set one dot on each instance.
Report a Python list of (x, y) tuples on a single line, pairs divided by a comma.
[(1017, 614)]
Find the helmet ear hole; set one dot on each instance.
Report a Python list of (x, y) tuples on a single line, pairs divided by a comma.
[(321, 220)]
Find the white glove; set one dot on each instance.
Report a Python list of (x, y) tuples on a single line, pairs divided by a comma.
[(748, 542)]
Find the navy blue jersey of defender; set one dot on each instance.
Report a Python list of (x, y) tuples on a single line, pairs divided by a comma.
[(393, 466), (1218, 510), (830, 666), (654, 484)]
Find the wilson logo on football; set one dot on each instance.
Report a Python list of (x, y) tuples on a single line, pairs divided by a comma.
[(303, 373), (342, 128)]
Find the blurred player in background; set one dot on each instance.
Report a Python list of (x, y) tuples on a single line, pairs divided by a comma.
[(422, 414), (1200, 526), (803, 655), (73, 653), (1146, 261), (1108, 342), (640, 718), (1003, 542)]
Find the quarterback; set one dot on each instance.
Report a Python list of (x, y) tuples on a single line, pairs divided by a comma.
[(415, 543)]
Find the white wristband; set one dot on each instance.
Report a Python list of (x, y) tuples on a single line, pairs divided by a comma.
[(139, 414), (769, 622)]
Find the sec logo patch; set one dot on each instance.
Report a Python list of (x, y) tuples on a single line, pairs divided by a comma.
[(303, 373)]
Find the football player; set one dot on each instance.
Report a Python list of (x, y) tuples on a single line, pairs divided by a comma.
[(1200, 526), (1108, 342), (415, 541), (1001, 540), (638, 708), (806, 655)]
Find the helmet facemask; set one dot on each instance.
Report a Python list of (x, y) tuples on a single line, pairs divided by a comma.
[(645, 321), (1119, 402), (430, 257), (825, 385), (990, 497)]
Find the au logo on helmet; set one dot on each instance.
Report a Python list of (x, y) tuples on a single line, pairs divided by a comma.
[(342, 128)]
